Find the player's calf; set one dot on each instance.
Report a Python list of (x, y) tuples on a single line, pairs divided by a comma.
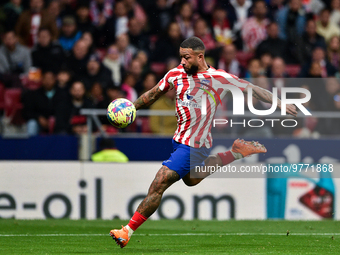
[(240, 149), (163, 180)]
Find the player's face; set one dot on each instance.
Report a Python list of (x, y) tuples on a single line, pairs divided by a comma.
[(189, 60)]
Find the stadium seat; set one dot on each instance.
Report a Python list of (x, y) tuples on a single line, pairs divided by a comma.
[(293, 70), (51, 124), (13, 105), (30, 84), (244, 57)]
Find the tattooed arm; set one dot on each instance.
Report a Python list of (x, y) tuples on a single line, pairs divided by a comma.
[(267, 97), (149, 97)]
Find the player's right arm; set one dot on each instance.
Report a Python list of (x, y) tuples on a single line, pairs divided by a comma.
[(149, 97), (267, 97)]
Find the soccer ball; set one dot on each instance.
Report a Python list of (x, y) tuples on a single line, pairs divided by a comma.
[(121, 113)]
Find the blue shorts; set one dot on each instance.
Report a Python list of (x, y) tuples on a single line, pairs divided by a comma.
[(184, 158)]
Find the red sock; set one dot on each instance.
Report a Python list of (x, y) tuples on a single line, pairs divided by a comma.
[(226, 157), (137, 220)]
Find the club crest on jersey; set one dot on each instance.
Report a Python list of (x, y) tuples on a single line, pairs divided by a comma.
[(205, 82)]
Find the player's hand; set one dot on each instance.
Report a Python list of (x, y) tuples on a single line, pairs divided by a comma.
[(291, 109)]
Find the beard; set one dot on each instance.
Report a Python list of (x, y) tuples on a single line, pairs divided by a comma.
[(192, 70)]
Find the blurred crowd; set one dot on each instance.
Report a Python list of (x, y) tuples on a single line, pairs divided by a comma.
[(58, 56)]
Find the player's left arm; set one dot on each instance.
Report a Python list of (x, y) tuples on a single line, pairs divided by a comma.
[(267, 97), (149, 97)]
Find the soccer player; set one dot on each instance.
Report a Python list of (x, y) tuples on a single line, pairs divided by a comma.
[(199, 88)]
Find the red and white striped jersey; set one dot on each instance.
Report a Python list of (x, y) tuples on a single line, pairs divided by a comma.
[(197, 98)]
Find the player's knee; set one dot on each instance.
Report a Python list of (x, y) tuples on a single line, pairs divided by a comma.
[(192, 182), (160, 183)]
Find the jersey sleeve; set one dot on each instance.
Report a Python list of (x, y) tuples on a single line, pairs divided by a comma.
[(240, 83), (166, 83)]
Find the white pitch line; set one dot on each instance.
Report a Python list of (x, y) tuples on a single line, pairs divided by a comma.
[(180, 234)]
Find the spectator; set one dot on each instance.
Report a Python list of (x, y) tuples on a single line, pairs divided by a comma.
[(117, 25), (254, 69), (273, 7), (69, 33), (319, 97), (112, 93), (149, 81), (47, 54), (254, 29), (221, 26), (318, 63), (167, 47), (273, 45), (332, 86), (238, 11), (88, 39), (43, 104), (108, 152), (278, 69), (126, 50), (68, 7), (31, 20), (229, 63), (84, 23), (310, 40), (278, 74), (136, 36), (96, 94), (15, 59), (77, 101), (333, 51), (186, 19), (171, 63), (63, 79), (77, 61), (325, 27), (266, 60), (202, 31), (291, 20), (100, 11), (53, 10), (135, 10), (12, 11), (96, 72), (335, 13), (142, 57), (205, 8), (159, 16), (128, 87), (136, 69), (165, 125), (111, 61)]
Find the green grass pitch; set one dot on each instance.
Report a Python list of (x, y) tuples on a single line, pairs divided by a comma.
[(170, 237)]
